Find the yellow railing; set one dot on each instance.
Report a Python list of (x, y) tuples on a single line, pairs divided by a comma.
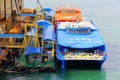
[(53, 49), (27, 37)]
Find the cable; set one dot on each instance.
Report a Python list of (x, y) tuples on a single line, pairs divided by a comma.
[(39, 4)]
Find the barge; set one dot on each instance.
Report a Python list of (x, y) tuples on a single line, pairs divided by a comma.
[(28, 44)]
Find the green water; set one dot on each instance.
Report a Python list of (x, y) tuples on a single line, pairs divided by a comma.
[(61, 75), (106, 15)]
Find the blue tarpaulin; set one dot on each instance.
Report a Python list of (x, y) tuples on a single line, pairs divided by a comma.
[(11, 35), (48, 33), (91, 40), (33, 50), (27, 15), (48, 11)]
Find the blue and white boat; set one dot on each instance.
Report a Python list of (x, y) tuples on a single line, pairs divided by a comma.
[(79, 41)]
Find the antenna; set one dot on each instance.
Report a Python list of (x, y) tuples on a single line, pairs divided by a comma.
[(41, 9), (39, 4)]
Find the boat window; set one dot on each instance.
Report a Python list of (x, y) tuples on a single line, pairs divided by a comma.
[(48, 47), (90, 54), (76, 28), (40, 30), (79, 31), (62, 25)]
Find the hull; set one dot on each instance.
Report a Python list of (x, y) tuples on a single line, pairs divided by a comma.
[(82, 64)]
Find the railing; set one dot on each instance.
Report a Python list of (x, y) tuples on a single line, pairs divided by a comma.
[(11, 40)]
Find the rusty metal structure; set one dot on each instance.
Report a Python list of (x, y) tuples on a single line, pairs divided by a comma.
[(8, 11), (10, 7)]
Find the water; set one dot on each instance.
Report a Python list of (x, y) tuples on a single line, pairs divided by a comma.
[(106, 15)]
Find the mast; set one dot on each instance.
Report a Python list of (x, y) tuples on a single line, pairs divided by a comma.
[(41, 9)]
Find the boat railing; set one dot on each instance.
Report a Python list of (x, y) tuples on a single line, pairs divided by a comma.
[(11, 40), (70, 55)]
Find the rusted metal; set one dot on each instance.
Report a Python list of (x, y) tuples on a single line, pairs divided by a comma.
[(8, 6), (8, 11)]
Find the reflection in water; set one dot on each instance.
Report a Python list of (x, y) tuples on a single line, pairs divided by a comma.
[(58, 75), (28, 76), (83, 75)]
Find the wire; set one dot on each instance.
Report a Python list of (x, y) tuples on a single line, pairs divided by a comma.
[(39, 4)]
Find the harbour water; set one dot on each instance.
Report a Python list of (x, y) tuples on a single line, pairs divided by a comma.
[(106, 16)]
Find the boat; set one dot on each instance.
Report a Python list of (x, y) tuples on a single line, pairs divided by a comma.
[(36, 39), (30, 51), (29, 45), (77, 40)]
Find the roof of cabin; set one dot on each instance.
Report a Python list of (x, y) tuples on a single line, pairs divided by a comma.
[(68, 13)]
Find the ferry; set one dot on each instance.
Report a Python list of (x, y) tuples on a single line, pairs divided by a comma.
[(77, 40)]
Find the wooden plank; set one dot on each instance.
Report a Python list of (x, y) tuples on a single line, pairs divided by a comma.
[(13, 5), (8, 8), (2, 8), (20, 2)]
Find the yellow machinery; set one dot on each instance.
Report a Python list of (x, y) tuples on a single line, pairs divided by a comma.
[(36, 36), (19, 40), (27, 37), (38, 16)]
